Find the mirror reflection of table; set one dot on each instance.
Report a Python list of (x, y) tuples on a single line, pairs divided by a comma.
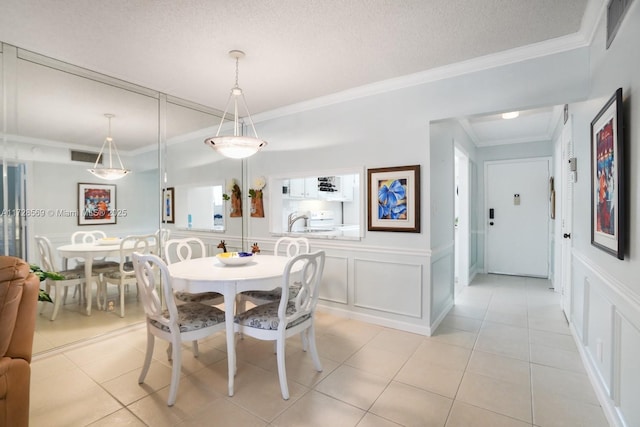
[(88, 252), (264, 272)]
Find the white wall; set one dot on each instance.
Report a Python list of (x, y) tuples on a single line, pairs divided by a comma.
[(393, 129), (605, 310), (54, 187)]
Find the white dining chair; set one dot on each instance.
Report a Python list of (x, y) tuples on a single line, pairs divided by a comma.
[(285, 246), (175, 323), (176, 250), (75, 277), (125, 274), (278, 320), (98, 265)]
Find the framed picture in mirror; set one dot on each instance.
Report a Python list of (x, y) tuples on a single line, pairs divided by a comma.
[(97, 204), (168, 205)]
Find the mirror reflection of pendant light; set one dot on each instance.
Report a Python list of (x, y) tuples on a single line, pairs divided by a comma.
[(109, 172), (510, 115), (236, 146)]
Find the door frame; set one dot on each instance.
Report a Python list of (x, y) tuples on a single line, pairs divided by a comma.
[(485, 214), (461, 254), (566, 215)]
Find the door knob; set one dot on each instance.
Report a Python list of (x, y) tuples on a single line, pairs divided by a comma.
[(567, 235), (491, 223)]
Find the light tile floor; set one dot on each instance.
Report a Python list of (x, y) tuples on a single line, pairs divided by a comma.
[(502, 357)]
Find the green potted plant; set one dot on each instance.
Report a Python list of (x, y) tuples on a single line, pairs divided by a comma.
[(43, 295)]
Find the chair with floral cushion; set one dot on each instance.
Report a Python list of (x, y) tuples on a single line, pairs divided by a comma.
[(285, 246), (278, 320), (99, 265), (176, 250), (125, 275), (73, 277), (175, 323)]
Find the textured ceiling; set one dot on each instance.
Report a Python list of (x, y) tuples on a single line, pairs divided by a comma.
[(296, 50)]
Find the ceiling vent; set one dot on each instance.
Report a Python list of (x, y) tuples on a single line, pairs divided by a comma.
[(616, 9), (85, 156)]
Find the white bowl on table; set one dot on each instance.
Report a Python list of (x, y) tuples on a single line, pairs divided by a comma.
[(235, 258), (109, 241)]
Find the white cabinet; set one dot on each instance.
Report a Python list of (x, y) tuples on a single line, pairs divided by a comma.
[(303, 188), (329, 188)]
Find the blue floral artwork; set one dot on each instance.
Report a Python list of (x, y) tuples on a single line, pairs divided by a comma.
[(392, 199)]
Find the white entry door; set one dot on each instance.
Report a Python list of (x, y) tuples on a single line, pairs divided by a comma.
[(517, 217)]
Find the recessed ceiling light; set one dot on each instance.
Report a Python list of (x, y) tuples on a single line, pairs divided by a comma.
[(511, 115)]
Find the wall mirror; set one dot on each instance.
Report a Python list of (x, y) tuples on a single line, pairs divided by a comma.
[(53, 109), (54, 128), (323, 204), (197, 174)]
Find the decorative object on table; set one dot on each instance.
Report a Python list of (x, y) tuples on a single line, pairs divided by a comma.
[(255, 248), (608, 222), (394, 199), (257, 206), (235, 258), (236, 198), (222, 245), (108, 172), (97, 204), (168, 205), (236, 146)]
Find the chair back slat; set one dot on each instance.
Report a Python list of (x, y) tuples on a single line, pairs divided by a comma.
[(47, 259), (176, 250), (291, 246), (144, 244), (152, 274), (87, 236), (303, 271)]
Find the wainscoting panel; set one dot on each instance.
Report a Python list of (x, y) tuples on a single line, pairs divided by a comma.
[(335, 279), (608, 316), (442, 286), (629, 372), (388, 286)]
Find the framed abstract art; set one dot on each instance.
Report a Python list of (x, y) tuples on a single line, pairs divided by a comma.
[(393, 202)]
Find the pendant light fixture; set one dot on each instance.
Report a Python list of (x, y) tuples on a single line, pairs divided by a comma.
[(236, 146), (109, 173)]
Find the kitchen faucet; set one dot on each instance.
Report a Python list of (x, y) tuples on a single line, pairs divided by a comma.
[(292, 218)]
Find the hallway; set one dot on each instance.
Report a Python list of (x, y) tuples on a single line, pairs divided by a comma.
[(502, 357)]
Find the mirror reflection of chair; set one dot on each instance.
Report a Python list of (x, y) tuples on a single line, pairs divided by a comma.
[(98, 265), (176, 250), (175, 324), (285, 246), (163, 236), (281, 319), (125, 275), (75, 277)]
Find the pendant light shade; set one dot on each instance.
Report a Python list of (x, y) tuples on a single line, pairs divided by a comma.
[(109, 173), (236, 146)]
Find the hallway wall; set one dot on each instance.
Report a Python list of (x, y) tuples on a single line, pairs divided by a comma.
[(605, 312)]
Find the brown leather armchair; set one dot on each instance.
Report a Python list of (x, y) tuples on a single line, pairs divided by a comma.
[(18, 305)]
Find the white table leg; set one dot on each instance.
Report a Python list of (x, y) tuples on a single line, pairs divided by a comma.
[(229, 314), (88, 267)]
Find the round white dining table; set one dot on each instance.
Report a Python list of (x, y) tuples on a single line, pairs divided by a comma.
[(263, 272), (88, 252)]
